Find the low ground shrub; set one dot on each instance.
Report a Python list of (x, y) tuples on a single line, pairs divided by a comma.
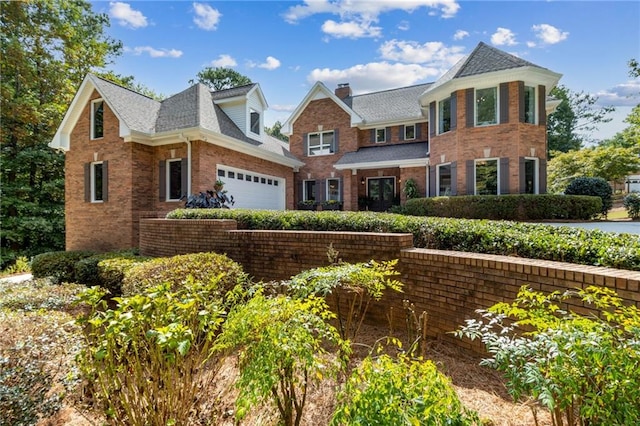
[(112, 271), (584, 369), (594, 186), (19, 266), (631, 203), (388, 391), (88, 271), (534, 241), (60, 266)]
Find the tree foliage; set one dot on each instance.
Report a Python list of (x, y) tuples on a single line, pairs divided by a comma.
[(276, 131), (569, 126), (47, 47), (220, 78)]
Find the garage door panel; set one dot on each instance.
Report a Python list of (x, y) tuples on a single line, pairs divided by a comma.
[(253, 190)]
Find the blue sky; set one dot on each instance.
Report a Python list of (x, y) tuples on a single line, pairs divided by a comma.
[(287, 46)]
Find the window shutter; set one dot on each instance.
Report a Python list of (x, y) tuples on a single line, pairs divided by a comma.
[(542, 102), (454, 111), (470, 107), (521, 101), (454, 178), (543, 176), (341, 192), (87, 182), (162, 180), (504, 102), (372, 138), (336, 141), (387, 134), (432, 182), (522, 181), (184, 177), (471, 178), (504, 175), (419, 129), (300, 191), (305, 144), (432, 119), (105, 181)]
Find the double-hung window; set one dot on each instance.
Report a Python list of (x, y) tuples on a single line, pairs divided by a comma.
[(97, 119), (333, 189), (409, 132), (486, 106), (309, 189), (174, 179), (381, 135), (444, 115), (444, 179), (530, 104), (255, 122), (322, 143)]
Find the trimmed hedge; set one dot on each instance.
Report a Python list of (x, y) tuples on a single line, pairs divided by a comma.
[(535, 241), (88, 271), (594, 186), (60, 266), (507, 207)]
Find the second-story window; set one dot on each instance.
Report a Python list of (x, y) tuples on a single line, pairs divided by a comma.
[(255, 122), (381, 135), (97, 119), (410, 132), (322, 143), (444, 115), (486, 106), (530, 104)]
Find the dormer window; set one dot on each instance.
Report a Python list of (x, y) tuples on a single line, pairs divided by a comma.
[(486, 106), (97, 119), (255, 122), (530, 104)]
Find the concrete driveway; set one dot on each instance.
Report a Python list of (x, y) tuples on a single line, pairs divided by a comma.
[(622, 226)]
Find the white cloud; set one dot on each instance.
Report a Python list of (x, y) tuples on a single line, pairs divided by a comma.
[(435, 53), (351, 29), (225, 61), (206, 18), (374, 76), (270, 64), (126, 16), (503, 37), (548, 34), (624, 94), (155, 53), (460, 34), (404, 26)]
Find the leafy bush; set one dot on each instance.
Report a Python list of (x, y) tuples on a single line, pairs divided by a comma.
[(282, 345), (146, 358), (203, 267), (584, 369), (594, 186), (88, 271), (20, 265), (358, 283), (112, 271), (60, 266), (506, 207), (387, 391), (631, 203), (534, 241)]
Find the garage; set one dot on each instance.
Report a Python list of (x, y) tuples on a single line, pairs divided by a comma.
[(252, 190)]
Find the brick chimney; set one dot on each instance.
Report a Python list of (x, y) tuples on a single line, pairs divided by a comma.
[(343, 90)]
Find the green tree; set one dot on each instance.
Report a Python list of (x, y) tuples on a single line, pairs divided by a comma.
[(275, 131), (569, 126), (47, 48), (221, 78)]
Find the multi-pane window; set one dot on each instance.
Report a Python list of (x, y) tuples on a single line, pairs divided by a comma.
[(333, 189), (530, 179), (444, 115), (174, 179), (486, 106), (97, 119), (97, 182), (410, 132), (529, 104), (444, 179), (381, 135), (255, 122), (486, 177), (309, 188), (321, 143)]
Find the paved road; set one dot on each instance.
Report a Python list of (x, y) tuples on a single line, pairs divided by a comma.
[(609, 226), (16, 278)]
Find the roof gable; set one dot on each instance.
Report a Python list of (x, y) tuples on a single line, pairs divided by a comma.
[(485, 59), (389, 105)]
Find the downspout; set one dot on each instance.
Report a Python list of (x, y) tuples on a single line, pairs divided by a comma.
[(186, 140)]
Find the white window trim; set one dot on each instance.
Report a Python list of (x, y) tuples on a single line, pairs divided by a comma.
[(93, 103), (536, 173), (475, 106), (331, 146), (475, 176), (384, 130), (438, 166), (535, 103), (168, 179), (327, 188), (93, 182), (414, 132), (437, 123), (251, 111), (305, 196)]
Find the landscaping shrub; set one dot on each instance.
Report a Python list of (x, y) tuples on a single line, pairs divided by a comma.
[(585, 369), (631, 203), (520, 207), (88, 271), (112, 271), (203, 267), (594, 186), (60, 266), (19, 266), (388, 391), (534, 241)]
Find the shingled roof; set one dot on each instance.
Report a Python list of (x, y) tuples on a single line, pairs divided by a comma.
[(389, 105), (385, 153)]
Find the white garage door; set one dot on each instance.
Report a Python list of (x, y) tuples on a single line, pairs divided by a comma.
[(253, 190)]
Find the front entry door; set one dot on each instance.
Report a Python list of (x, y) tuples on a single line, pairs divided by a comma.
[(381, 192)]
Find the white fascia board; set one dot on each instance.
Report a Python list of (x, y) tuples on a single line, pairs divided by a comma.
[(381, 124), (414, 162), (531, 75), (551, 105)]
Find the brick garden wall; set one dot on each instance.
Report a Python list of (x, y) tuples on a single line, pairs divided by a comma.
[(449, 285)]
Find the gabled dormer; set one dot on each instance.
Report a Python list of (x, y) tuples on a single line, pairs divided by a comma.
[(245, 105)]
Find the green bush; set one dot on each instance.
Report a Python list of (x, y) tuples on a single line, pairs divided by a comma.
[(594, 186), (507, 207), (203, 267), (585, 369), (631, 203), (87, 270), (387, 391), (534, 241), (112, 271), (60, 266)]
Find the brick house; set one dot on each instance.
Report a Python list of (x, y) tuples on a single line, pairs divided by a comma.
[(128, 157), (479, 129)]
